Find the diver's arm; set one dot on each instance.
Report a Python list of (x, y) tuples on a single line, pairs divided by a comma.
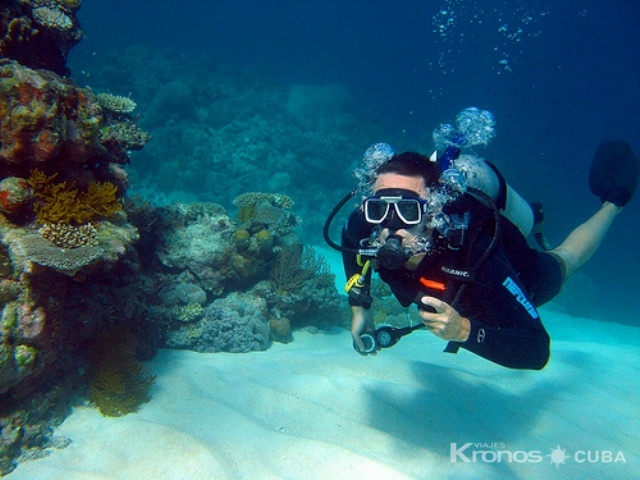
[(505, 326), (361, 321), (359, 300), (354, 229), (509, 347)]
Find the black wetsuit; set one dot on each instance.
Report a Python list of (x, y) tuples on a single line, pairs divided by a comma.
[(499, 296)]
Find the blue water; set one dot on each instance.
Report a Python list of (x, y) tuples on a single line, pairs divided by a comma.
[(558, 76)]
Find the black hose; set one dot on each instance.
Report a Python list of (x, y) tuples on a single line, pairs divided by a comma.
[(327, 224), (483, 197)]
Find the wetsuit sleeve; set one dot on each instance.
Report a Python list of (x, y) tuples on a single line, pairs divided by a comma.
[(355, 229), (505, 325)]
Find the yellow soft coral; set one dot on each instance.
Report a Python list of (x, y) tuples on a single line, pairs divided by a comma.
[(118, 382), (102, 199), (40, 181), (63, 203)]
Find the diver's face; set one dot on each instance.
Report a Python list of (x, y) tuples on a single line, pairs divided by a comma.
[(401, 182)]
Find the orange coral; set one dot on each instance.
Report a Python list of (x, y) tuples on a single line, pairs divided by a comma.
[(27, 92), (63, 203)]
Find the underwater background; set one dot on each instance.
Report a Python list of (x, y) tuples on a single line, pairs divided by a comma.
[(285, 96), (166, 171)]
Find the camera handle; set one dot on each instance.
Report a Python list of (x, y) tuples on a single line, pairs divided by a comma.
[(385, 337)]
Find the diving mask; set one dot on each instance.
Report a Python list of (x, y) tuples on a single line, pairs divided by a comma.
[(394, 206)]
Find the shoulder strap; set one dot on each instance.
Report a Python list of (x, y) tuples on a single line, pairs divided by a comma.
[(501, 201), (486, 201)]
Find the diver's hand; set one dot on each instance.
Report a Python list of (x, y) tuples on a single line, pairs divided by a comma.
[(361, 321), (445, 322)]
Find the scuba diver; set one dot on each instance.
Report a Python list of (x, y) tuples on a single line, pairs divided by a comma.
[(448, 233)]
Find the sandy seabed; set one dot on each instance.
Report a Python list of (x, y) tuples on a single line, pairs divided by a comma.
[(314, 409)]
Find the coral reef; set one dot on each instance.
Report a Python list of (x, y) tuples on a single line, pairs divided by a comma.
[(91, 280), (15, 196), (236, 323), (29, 428), (260, 212), (70, 236), (219, 132), (123, 133), (116, 104), (199, 242), (39, 33), (281, 329), (54, 351), (105, 243), (66, 246), (294, 266), (209, 259), (64, 204), (49, 123), (248, 202)]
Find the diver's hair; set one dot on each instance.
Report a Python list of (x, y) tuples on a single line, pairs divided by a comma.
[(412, 164)]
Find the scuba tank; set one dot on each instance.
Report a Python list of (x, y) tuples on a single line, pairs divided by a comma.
[(483, 176), (475, 127)]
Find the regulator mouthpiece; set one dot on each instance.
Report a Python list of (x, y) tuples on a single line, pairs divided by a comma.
[(392, 255)]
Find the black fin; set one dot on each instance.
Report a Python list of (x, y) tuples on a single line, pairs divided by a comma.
[(614, 172)]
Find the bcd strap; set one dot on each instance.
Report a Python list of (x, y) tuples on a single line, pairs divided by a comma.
[(501, 201), (452, 347)]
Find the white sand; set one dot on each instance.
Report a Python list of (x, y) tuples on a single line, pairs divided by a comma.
[(314, 409)]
